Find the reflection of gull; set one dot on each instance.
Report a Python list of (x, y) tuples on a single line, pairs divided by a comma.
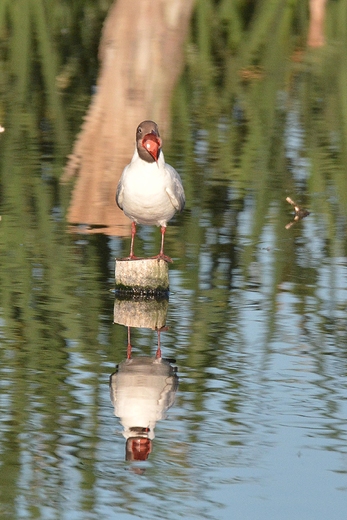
[(142, 389)]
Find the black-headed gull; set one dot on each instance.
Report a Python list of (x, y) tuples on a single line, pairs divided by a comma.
[(149, 190)]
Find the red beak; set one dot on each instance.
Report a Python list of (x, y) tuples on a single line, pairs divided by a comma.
[(152, 143), (138, 448)]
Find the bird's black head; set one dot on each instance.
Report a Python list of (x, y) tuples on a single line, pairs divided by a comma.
[(148, 141)]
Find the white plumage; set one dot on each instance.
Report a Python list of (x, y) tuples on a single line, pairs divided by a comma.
[(149, 190)]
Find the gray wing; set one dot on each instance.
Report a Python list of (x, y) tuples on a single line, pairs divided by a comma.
[(119, 195), (120, 191), (176, 191)]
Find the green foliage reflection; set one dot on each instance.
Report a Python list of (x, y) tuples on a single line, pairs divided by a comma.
[(259, 117)]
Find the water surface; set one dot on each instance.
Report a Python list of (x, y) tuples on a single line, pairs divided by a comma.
[(256, 317)]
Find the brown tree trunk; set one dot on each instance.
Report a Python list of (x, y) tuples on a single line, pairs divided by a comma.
[(141, 55), (316, 28)]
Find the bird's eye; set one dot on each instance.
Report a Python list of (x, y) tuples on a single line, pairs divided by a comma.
[(139, 130)]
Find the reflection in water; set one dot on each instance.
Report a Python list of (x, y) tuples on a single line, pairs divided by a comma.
[(260, 421), (138, 39), (141, 312), (142, 390)]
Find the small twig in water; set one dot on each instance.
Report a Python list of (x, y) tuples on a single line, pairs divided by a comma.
[(299, 213)]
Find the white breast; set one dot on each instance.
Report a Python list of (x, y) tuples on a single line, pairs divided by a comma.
[(146, 191)]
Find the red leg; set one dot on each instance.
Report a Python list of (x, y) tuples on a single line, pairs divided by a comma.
[(133, 233), (158, 353), (162, 229), (129, 345), (161, 255)]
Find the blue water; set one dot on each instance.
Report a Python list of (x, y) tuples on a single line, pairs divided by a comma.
[(256, 321)]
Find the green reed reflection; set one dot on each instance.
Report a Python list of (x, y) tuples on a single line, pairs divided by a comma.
[(44, 309), (267, 120), (258, 117), (239, 96)]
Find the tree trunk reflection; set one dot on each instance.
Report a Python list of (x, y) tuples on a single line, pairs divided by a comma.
[(141, 55)]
